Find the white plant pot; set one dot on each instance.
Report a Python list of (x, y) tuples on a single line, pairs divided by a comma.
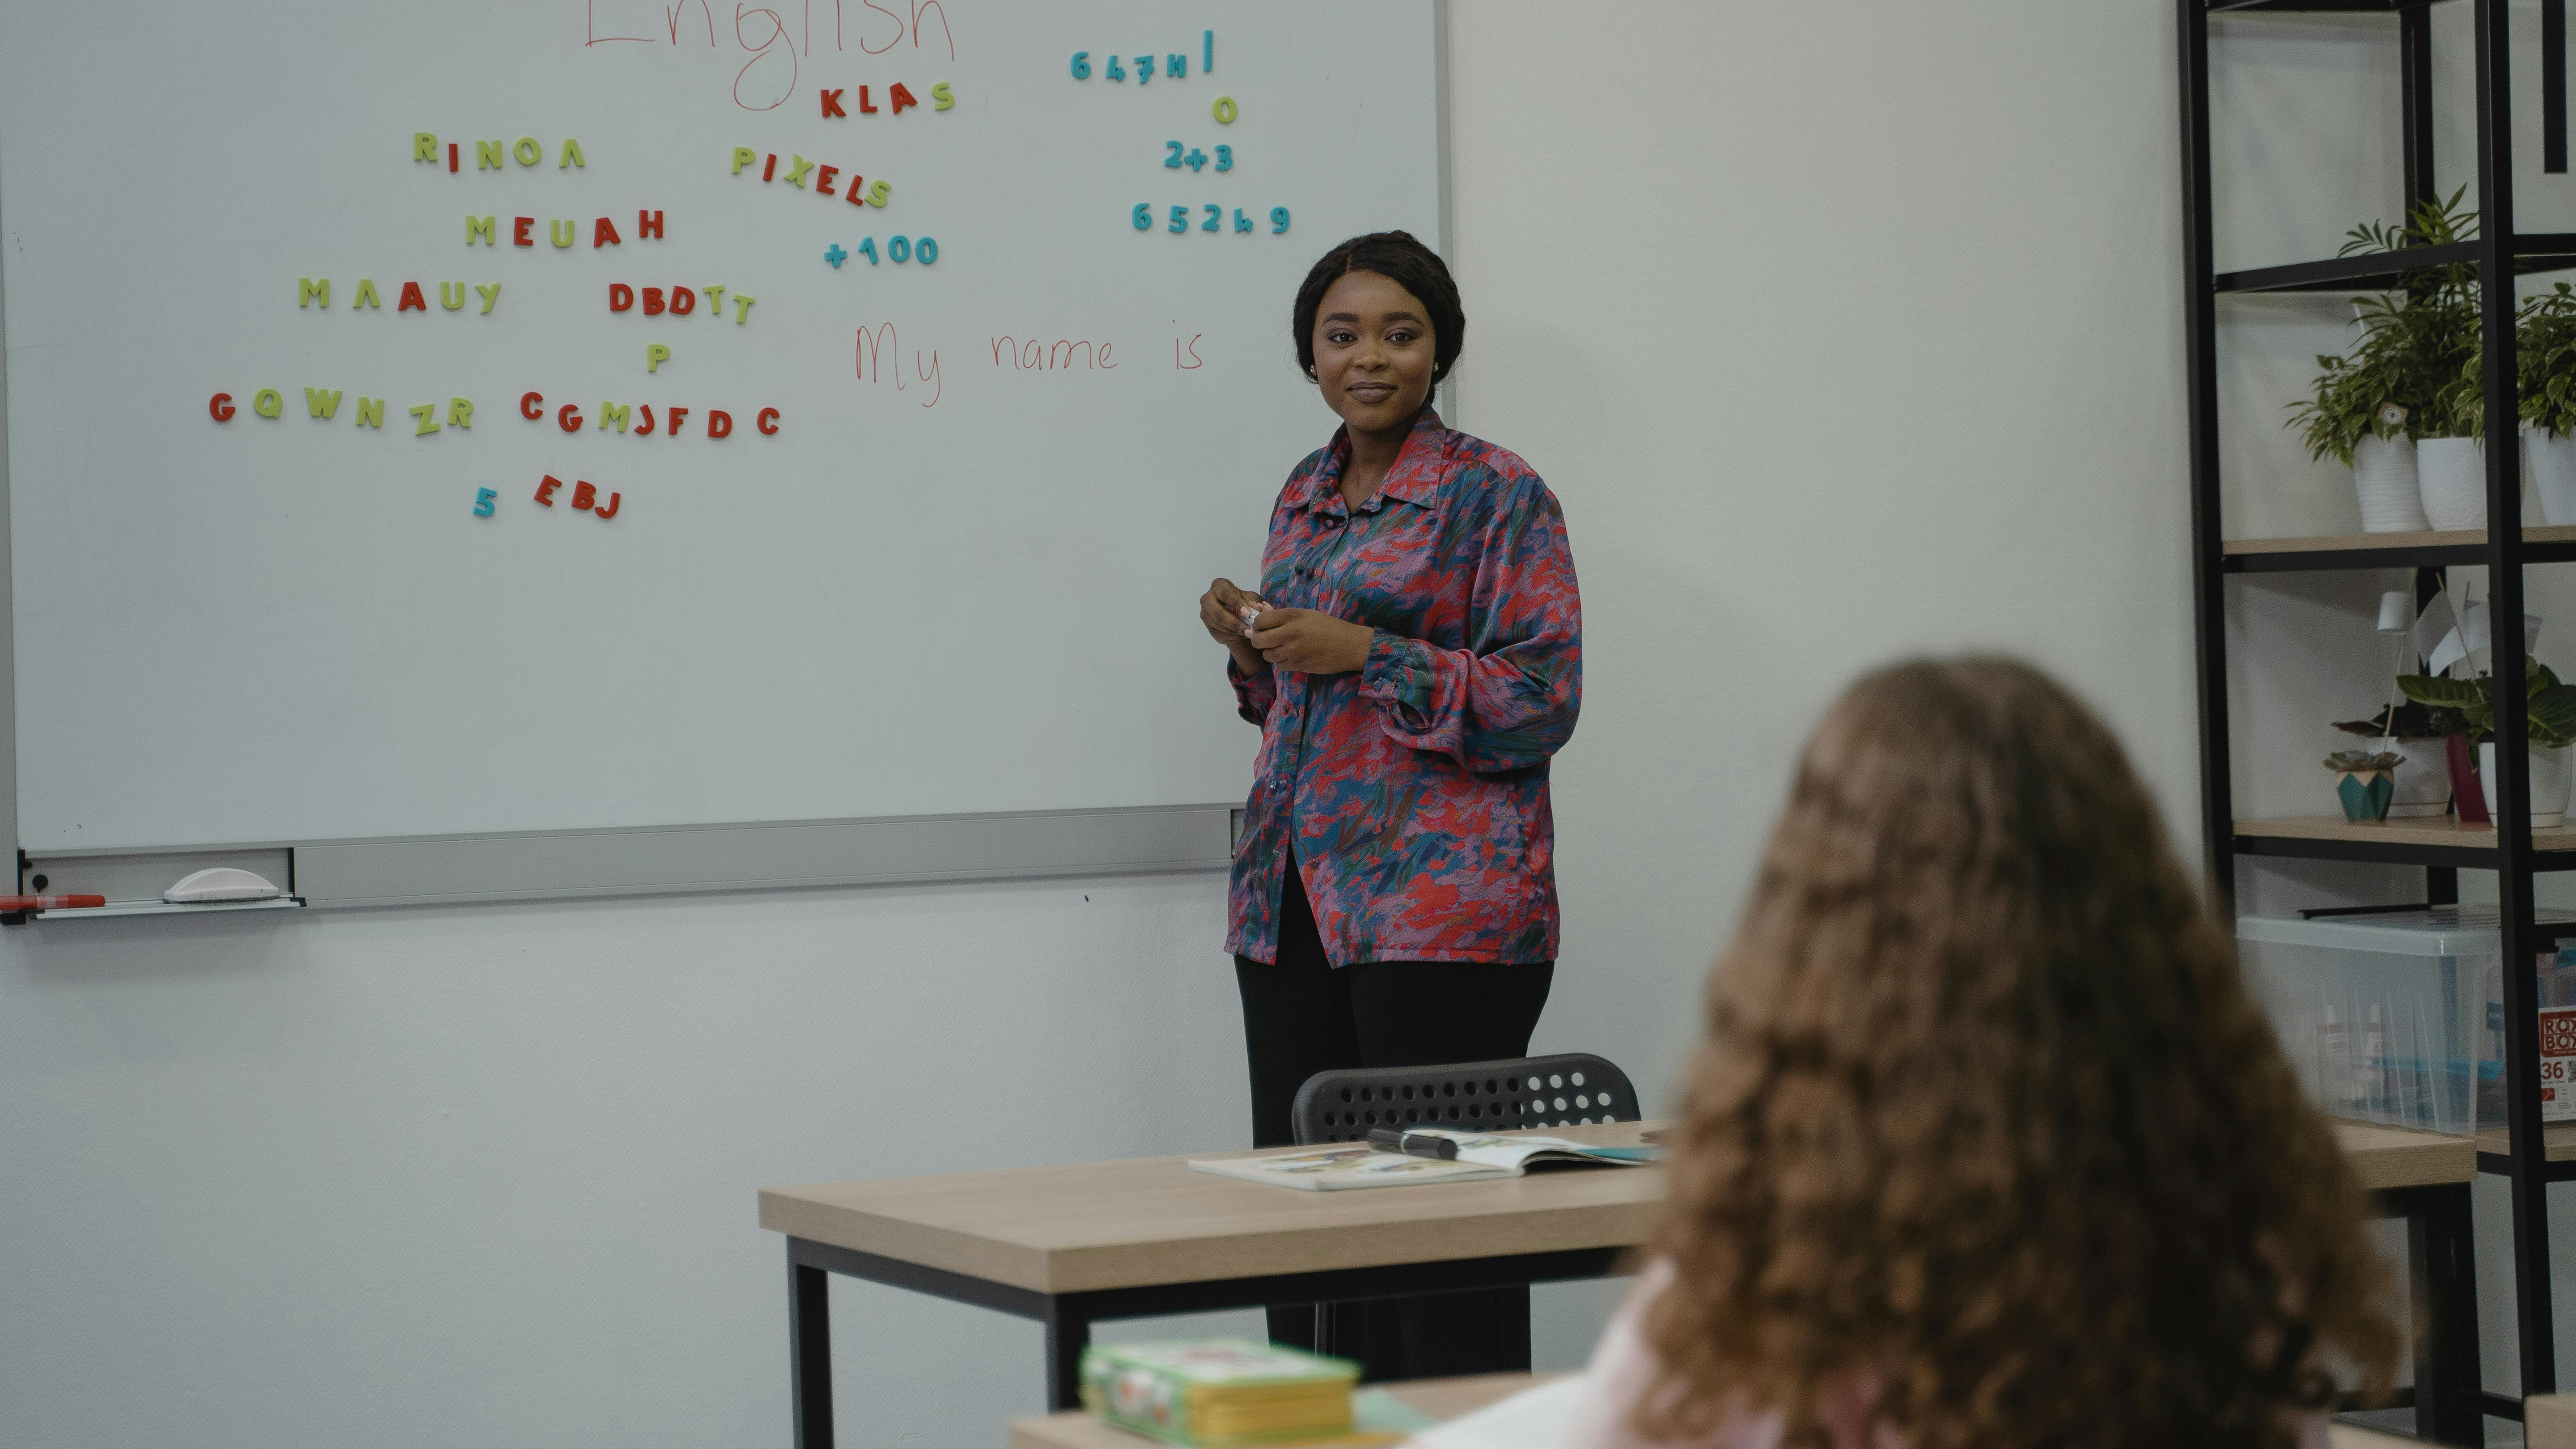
[(2552, 460), (2423, 781), (2549, 775), (2452, 472), (2392, 497)]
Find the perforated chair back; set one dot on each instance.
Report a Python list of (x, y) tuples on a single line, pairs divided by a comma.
[(1565, 1090)]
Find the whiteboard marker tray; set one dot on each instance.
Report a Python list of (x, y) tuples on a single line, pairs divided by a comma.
[(167, 908)]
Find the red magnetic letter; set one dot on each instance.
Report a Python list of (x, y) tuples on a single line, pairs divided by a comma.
[(221, 407), (678, 416), (519, 231), (652, 301), (863, 101), (767, 422), (771, 169), (620, 296), (645, 426), (683, 301), (545, 490), (899, 98), (832, 105), (412, 301), (856, 185), (611, 510), (567, 419), (823, 180), (648, 223), (719, 423), (583, 495), (528, 406), (604, 234), (451, 155)]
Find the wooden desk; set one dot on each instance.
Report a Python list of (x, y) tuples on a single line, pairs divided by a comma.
[(1073, 1245), (1441, 1399), (2548, 1421)]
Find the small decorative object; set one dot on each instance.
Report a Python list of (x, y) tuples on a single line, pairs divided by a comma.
[(2365, 781), (2415, 734)]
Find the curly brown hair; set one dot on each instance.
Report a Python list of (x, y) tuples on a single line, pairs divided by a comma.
[(1986, 1115)]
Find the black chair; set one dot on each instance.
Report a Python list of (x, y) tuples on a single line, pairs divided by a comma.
[(1566, 1090)]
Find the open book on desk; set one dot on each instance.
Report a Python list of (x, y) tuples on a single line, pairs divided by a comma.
[(1461, 1157)]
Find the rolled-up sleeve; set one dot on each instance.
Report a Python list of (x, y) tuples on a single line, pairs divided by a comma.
[(1253, 693), (1508, 701)]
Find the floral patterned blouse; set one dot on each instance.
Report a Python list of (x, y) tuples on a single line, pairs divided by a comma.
[(1413, 794)]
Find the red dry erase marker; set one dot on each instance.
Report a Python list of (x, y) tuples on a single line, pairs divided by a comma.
[(48, 903)]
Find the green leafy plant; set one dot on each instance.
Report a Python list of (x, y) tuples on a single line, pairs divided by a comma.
[(2412, 375), (2549, 717), (2354, 761), (2412, 721), (2545, 356)]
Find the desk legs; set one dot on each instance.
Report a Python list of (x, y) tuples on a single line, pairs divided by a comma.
[(809, 1351), (2441, 1275), (1068, 1333)]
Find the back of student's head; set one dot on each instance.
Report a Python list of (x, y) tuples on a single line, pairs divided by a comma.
[(1986, 1116)]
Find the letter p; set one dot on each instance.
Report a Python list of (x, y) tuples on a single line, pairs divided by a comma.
[(655, 354)]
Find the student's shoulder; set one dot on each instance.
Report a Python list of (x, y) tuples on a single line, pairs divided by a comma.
[(1492, 478)]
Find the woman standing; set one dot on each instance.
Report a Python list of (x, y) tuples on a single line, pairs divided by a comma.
[(1414, 660)]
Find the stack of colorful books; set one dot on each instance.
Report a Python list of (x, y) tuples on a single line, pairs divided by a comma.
[(1220, 1392)]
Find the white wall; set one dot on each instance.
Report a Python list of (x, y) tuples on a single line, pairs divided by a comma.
[(1844, 330)]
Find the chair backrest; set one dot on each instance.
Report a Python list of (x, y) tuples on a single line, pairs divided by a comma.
[(1556, 1091)]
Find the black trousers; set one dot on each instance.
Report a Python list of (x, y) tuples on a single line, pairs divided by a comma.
[(1302, 1016)]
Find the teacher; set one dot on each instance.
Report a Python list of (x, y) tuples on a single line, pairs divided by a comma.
[(1414, 663)]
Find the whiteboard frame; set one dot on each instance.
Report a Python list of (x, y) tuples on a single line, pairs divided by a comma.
[(765, 855)]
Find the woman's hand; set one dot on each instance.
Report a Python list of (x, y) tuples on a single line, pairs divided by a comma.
[(1311, 643), (1221, 613)]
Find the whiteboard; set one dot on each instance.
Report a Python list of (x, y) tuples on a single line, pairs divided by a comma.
[(961, 576)]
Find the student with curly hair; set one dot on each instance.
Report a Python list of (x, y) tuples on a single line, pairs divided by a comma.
[(1987, 1143)]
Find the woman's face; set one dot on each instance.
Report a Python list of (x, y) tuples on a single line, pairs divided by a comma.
[(1373, 352)]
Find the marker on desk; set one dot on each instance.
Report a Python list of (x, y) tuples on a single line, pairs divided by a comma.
[(49, 903), (1413, 1144)]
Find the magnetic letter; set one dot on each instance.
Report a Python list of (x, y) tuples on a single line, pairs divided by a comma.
[(770, 170), (742, 308), (568, 419), (855, 197), (832, 105), (426, 415), (655, 354), (620, 296), (715, 303), (545, 490), (529, 405), (572, 155), (583, 495), (424, 146), (940, 99), (412, 300), (678, 416), (864, 107), (898, 98), (490, 295), (220, 407), (603, 233), (1176, 65), (719, 423), (611, 510), (308, 291), (267, 403), (823, 181), (610, 412), (878, 193), (767, 422), (370, 412), (460, 413), (796, 170), (683, 301), (564, 232), (487, 155), (528, 151), (652, 301), (643, 419), (322, 402), (451, 158), (366, 296), (648, 223), (453, 301), (519, 226), (483, 502), (742, 156), (479, 226)]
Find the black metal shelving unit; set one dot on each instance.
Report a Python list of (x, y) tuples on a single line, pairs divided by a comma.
[(2509, 850)]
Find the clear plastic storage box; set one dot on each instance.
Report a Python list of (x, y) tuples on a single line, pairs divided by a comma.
[(2395, 1017)]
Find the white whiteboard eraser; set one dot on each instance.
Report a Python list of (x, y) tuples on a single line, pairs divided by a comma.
[(222, 883)]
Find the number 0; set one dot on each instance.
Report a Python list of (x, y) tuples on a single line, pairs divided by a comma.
[(1224, 110)]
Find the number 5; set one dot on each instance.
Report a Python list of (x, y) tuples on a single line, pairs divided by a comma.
[(1180, 218)]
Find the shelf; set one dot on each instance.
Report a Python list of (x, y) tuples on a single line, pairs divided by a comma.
[(2440, 842), (2379, 271), (2557, 1147), (2322, 7), (2544, 543), (118, 909)]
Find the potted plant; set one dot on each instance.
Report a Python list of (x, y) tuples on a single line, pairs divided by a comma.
[(2364, 781), (2545, 357), (2402, 383), (2418, 735), (2549, 727)]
